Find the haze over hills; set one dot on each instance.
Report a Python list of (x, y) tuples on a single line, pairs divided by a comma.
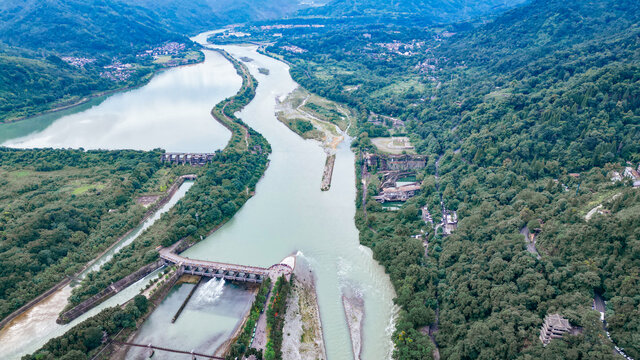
[(419, 11)]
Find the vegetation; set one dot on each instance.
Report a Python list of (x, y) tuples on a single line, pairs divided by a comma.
[(275, 318), (419, 12), (84, 339), (61, 208), (241, 346), (506, 112)]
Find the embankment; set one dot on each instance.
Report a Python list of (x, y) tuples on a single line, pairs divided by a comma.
[(113, 289), (328, 172), (303, 328), (354, 311), (64, 282)]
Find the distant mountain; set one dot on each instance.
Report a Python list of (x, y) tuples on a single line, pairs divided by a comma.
[(121, 26), (84, 26), (200, 15), (424, 11)]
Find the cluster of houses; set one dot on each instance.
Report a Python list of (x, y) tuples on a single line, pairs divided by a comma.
[(403, 48), (386, 121), (294, 49), (290, 26), (398, 193), (117, 71), (449, 220), (78, 61), (628, 173), (404, 162), (170, 48)]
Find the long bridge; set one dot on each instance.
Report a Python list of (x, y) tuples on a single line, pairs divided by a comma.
[(194, 159), (153, 347), (225, 271)]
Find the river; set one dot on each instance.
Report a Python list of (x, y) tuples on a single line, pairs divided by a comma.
[(32, 329), (288, 215)]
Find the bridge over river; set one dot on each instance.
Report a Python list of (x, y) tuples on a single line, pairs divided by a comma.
[(194, 159), (225, 271)]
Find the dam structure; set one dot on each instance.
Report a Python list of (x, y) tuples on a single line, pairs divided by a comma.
[(230, 272)]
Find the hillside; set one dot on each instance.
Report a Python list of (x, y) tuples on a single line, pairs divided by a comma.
[(522, 120), (81, 27), (201, 15), (417, 11)]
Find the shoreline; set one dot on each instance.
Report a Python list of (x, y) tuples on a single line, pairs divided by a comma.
[(88, 98), (61, 284), (304, 338)]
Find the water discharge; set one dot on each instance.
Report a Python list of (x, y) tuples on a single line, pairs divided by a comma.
[(288, 214), (208, 293)]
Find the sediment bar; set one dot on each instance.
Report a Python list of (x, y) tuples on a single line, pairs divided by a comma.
[(328, 172)]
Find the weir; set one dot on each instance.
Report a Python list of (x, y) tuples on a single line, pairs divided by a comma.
[(193, 159), (232, 272)]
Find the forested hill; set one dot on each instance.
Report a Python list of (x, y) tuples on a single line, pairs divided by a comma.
[(201, 15), (122, 26), (81, 27), (524, 119), (417, 11)]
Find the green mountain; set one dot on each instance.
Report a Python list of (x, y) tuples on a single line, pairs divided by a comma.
[(418, 11), (201, 15), (85, 27), (527, 116)]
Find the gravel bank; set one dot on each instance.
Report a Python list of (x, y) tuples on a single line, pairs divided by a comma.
[(302, 331)]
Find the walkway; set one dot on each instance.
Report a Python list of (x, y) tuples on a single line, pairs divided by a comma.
[(225, 271)]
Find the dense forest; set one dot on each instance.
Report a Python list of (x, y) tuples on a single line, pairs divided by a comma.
[(523, 119), (60, 208), (415, 11)]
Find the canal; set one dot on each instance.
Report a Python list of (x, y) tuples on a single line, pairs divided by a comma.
[(288, 215)]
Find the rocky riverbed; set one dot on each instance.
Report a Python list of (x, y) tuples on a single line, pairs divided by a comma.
[(302, 331), (354, 310)]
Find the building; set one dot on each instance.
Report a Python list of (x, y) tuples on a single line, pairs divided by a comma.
[(554, 327), (394, 162), (630, 173), (426, 215), (400, 193), (449, 222)]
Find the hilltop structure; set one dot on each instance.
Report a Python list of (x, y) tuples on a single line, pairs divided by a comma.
[(554, 327)]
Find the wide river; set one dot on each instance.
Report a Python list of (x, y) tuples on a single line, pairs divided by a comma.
[(288, 215)]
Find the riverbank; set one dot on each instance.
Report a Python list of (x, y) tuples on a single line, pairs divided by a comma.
[(153, 208), (303, 338), (69, 104)]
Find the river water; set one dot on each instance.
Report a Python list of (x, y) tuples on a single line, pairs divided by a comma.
[(29, 331), (288, 215), (170, 112)]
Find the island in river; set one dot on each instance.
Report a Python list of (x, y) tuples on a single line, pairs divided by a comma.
[(290, 213)]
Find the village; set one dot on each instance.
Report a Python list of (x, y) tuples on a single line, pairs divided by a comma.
[(397, 185), (169, 54), (629, 173)]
